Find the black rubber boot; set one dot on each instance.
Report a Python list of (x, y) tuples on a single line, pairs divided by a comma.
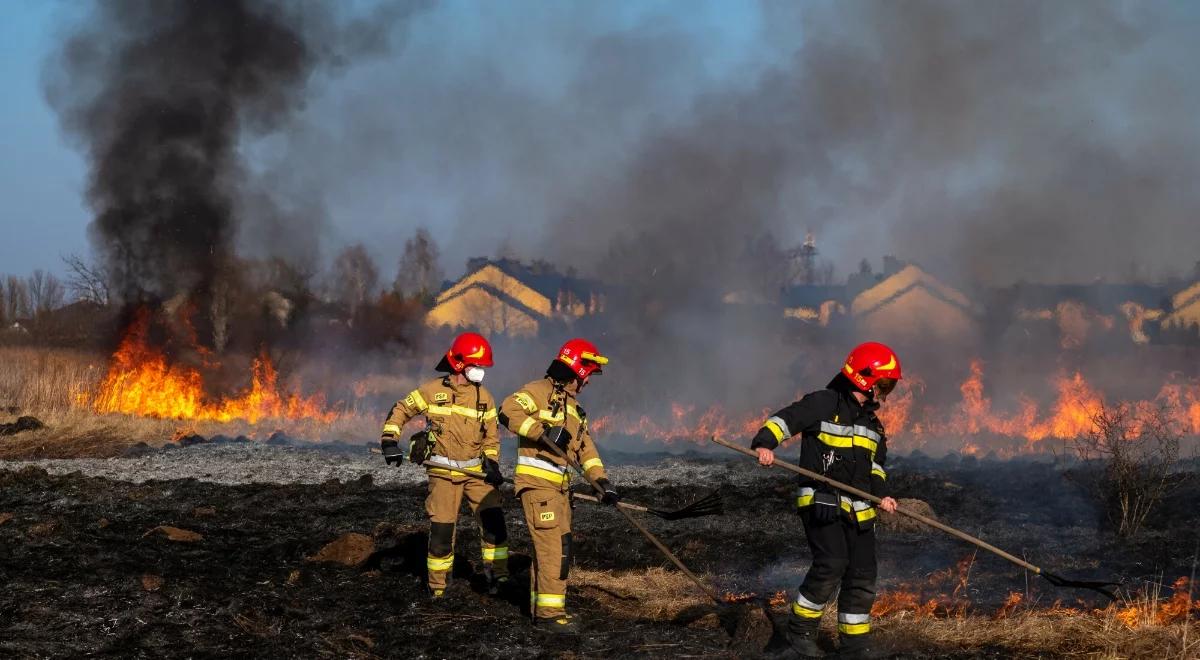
[(563, 624), (802, 638), (858, 647)]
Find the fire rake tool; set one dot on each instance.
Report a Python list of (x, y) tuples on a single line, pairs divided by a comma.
[(1056, 580), (710, 505)]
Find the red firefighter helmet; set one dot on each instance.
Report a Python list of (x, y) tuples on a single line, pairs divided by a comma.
[(871, 362), (469, 349), (582, 357)]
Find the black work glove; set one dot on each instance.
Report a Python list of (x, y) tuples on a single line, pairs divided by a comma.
[(559, 436), (391, 452), (825, 508), (610, 496), (491, 471)]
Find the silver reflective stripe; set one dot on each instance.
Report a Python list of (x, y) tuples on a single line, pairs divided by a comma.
[(808, 604), (846, 617), (807, 491), (442, 460), (866, 432), (837, 429), (787, 433), (533, 461), (876, 466)]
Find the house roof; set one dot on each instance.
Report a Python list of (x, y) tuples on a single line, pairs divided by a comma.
[(539, 276), (496, 293), (907, 279)]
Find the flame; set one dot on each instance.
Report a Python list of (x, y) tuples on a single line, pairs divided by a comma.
[(1155, 612), (974, 420), (141, 381), (1010, 604)]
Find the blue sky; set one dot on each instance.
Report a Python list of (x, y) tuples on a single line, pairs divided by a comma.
[(41, 178)]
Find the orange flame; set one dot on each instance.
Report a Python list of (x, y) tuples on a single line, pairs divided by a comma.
[(141, 381)]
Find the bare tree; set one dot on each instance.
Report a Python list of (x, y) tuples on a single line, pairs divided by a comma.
[(86, 281), (46, 292), (355, 277), (1134, 452), (419, 276), (16, 299)]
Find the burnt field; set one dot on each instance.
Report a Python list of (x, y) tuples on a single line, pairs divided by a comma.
[(211, 551)]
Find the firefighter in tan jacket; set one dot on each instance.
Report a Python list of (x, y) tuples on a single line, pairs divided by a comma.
[(460, 431), (545, 411)]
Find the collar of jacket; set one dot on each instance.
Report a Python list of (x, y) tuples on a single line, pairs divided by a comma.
[(846, 390), (448, 381), (565, 388)]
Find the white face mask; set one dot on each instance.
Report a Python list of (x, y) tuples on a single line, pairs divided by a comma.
[(474, 374)]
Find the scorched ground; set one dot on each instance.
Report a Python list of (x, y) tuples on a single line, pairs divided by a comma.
[(207, 551)]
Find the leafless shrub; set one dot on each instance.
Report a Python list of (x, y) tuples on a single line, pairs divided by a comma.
[(46, 292), (355, 277), (16, 299), (86, 281), (1135, 450), (419, 275)]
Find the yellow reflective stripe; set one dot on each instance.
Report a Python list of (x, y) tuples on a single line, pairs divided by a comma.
[(491, 453), (592, 463), (526, 426), (864, 515), (836, 440), (551, 600), (845, 442), (771, 426), (391, 428), (854, 628), (801, 611), (490, 415), (549, 475), (418, 400), (879, 473), (866, 443), (439, 563), (803, 500), (492, 554), (551, 417)]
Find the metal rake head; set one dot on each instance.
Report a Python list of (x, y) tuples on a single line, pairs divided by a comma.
[(709, 505), (1093, 585)]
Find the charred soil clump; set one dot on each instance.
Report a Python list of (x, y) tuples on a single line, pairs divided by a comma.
[(97, 565)]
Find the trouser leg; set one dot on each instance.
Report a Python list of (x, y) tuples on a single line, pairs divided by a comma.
[(442, 504), (486, 503), (830, 559), (858, 589), (548, 516)]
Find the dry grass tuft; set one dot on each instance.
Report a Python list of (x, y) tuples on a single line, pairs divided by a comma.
[(1054, 631), (653, 593)]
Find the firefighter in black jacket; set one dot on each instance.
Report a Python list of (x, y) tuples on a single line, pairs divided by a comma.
[(844, 440)]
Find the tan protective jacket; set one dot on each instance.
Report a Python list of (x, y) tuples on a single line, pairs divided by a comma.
[(462, 419), (528, 413)]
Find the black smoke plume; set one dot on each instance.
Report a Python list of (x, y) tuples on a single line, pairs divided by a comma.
[(163, 95)]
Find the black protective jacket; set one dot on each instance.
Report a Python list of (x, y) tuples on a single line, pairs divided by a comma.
[(841, 439)]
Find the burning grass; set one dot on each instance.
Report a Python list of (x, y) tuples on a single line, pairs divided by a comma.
[(97, 409)]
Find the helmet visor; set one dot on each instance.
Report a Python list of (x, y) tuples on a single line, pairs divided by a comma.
[(884, 387)]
